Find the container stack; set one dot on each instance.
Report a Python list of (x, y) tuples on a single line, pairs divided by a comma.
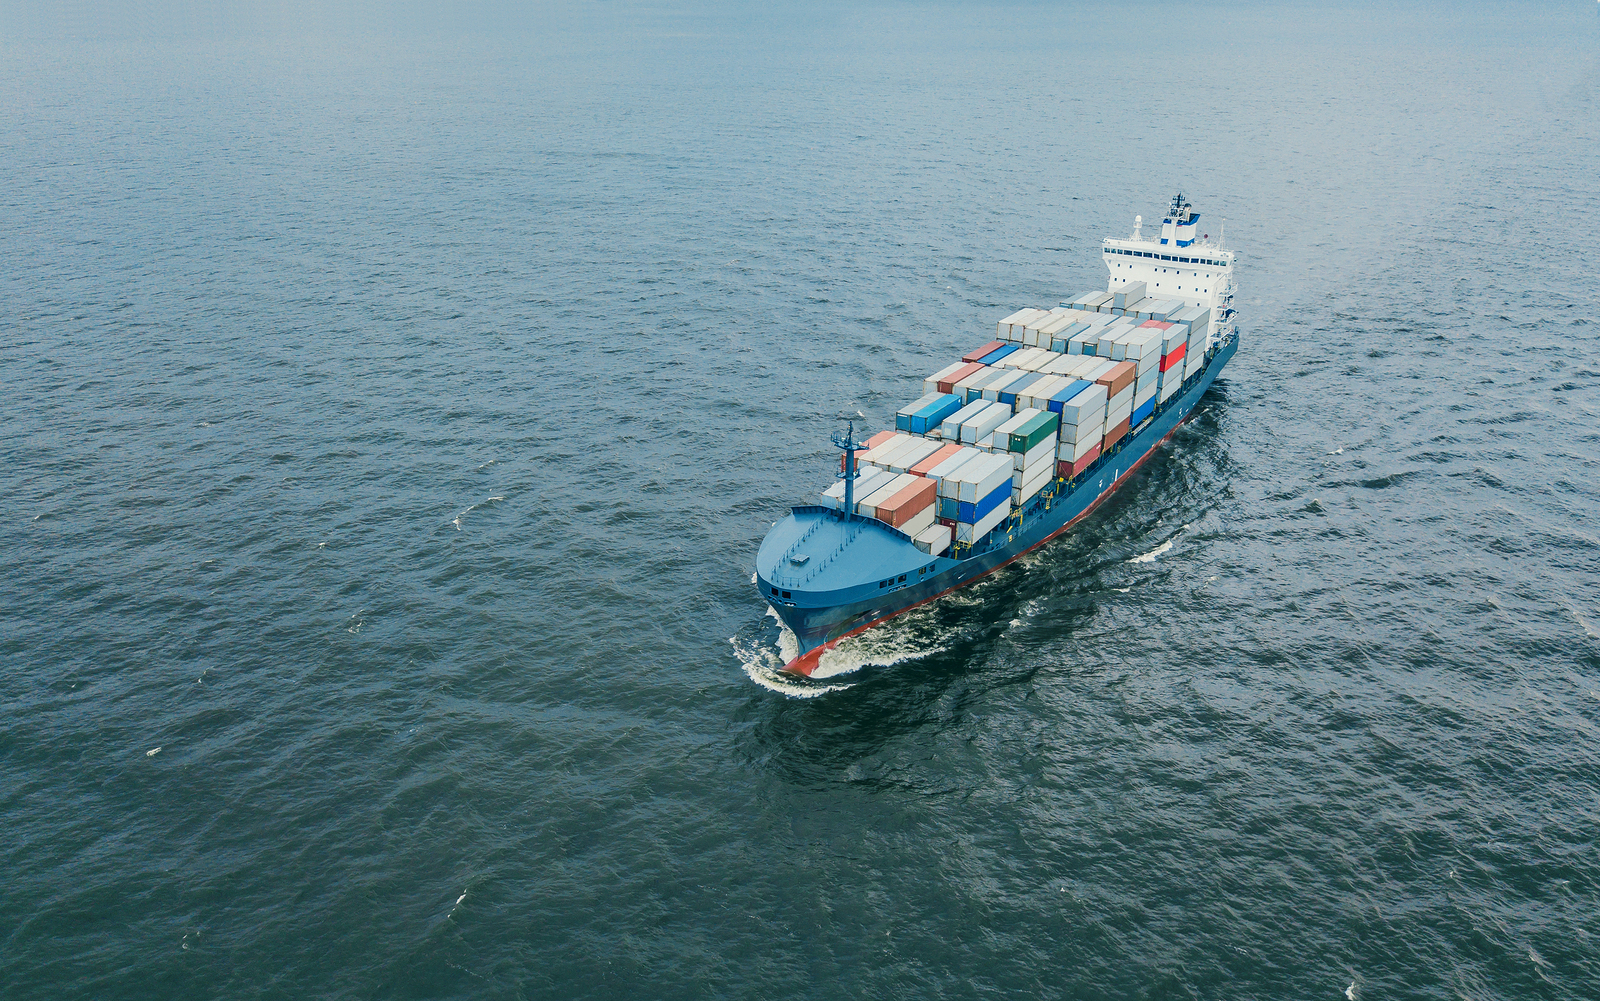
[(1083, 425), (974, 494), (1055, 390), (1118, 381), (1029, 437)]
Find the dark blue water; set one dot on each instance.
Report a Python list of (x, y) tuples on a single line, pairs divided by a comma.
[(394, 403)]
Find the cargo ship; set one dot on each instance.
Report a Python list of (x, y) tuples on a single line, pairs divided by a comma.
[(1010, 446)]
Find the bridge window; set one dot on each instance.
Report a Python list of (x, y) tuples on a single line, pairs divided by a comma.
[(902, 578), (774, 590)]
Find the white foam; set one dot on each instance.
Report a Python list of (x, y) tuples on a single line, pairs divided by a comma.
[(152, 752), (1150, 557), (881, 646), (763, 664), (1166, 546)]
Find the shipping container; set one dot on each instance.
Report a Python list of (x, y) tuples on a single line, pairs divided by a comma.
[(1040, 427), (994, 356), (1026, 460), (947, 383), (990, 348), (867, 506), (905, 458), (1087, 406), (984, 422), (997, 496), (902, 420), (1117, 432), (1017, 320), (934, 539), (951, 426), (931, 383), (931, 416), (1024, 491), (1131, 292), (1017, 389), (911, 500), (1142, 411), (963, 387), (1119, 377), (1039, 394), (932, 462), (969, 534), (1072, 451)]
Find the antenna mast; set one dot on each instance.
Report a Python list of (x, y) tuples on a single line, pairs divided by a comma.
[(847, 443)]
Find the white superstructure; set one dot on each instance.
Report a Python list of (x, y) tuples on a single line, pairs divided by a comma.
[(1177, 265)]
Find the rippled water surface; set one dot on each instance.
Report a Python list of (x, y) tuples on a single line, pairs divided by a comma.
[(393, 410)]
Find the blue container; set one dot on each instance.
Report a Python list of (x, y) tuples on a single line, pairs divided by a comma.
[(932, 415), (1063, 395), (996, 354), (1142, 411), (949, 507), (969, 513)]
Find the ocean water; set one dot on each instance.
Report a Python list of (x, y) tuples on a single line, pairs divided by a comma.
[(394, 401)]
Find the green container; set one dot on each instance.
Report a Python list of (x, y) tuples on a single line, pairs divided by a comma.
[(1033, 431)]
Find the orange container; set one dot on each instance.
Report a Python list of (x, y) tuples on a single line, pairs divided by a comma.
[(956, 376), (872, 443), (1115, 434), (926, 466), (908, 503), (1119, 378), (990, 348)]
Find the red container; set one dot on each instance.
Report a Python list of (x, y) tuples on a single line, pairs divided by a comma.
[(1158, 324), (927, 465), (956, 376), (1174, 359), (991, 347), (1083, 463), (908, 503)]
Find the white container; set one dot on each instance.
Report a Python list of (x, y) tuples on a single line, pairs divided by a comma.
[(1116, 403), (874, 455), (933, 540), (1072, 451), (1011, 328), (868, 506), (984, 422), (1088, 407), (951, 428), (903, 460), (1115, 417), (1170, 388), (1044, 451), (921, 521), (994, 387), (1038, 396), (931, 383), (980, 477), (946, 475), (1023, 492), (1145, 385)]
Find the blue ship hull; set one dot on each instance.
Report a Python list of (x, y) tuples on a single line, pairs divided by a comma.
[(830, 575)]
